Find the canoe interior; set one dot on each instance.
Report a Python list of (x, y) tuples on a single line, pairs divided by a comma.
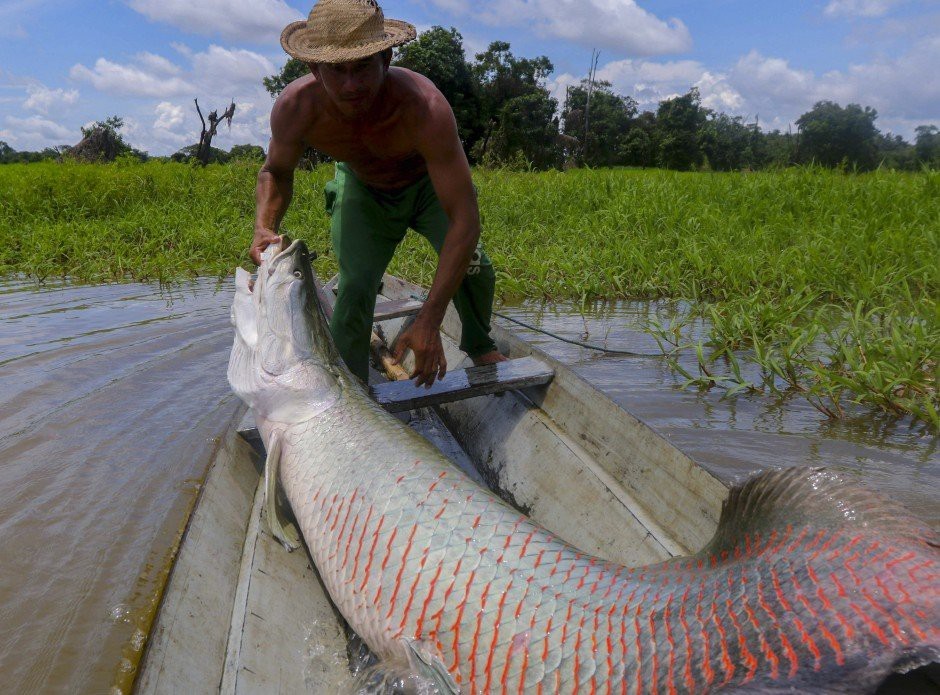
[(242, 615)]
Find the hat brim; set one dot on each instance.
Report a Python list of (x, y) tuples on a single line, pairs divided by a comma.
[(295, 40)]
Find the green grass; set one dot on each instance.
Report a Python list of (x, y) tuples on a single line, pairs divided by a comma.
[(829, 282)]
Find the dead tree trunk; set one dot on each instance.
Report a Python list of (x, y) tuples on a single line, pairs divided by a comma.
[(205, 139)]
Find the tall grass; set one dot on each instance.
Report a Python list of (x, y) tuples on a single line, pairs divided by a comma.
[(829, 282)]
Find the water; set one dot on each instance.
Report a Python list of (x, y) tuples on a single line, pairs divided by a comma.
[(733, 437), (112, 399)]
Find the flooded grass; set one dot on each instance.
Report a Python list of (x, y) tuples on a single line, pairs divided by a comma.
[(828, 282)]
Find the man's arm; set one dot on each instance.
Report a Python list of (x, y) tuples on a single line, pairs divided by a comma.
[(276, 179), (449, 170)]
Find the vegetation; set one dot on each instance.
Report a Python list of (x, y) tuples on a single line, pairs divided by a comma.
[(828, 282), (507, 117)]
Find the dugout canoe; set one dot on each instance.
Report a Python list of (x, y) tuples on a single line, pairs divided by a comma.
[(241, 615)]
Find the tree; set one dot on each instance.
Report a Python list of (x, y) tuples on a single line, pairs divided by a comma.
[(247, 153), (503, 82), (438, 55), (609, 126), (730, 145), (678, 122), (927, 145), (101, 142), (832, 135), (894, 152), (526, 133), (291, 71), (203, 153)]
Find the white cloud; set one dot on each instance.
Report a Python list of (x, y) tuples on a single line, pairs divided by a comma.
[(36, 133), (129, 80), (40, 98), (220, 68), (619, 26), (860, 8), (259, 21), (905, 89), (650, 82), (168, 115)]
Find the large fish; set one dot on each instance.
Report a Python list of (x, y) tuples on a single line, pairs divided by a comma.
[(811, 583)]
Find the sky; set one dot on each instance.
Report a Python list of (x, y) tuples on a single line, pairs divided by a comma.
[(67, 63)]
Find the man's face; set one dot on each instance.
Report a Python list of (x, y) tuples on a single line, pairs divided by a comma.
[(354, 86)]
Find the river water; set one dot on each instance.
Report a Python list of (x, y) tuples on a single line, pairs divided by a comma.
[(113, 399)]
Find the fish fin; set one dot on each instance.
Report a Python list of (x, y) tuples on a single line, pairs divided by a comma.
[(819, 497), (426, 661), (284, 532)]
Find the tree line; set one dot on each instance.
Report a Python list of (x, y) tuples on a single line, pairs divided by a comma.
[(507, 117)]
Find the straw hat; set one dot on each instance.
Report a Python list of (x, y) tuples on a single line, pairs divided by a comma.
[(338, 31)]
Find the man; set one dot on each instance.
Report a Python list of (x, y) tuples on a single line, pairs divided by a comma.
[(400, 164)]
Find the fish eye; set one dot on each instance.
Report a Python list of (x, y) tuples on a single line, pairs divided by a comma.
[(298, 275)]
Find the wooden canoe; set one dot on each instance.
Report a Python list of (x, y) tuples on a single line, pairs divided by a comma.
[(241, 615)]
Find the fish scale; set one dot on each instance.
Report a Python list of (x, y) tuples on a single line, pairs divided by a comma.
[(809, 580), (762, 613)]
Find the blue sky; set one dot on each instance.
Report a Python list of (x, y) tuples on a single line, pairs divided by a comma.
[(65, 63)]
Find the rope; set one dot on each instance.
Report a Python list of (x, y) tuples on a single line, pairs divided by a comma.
[(609, 351)]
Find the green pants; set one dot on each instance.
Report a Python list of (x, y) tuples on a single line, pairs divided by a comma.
[(366, 226)]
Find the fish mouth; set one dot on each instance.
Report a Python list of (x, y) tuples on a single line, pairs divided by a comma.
[(287, 249)]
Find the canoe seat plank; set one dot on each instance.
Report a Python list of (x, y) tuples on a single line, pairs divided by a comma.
[(460, 384), (395, 309)]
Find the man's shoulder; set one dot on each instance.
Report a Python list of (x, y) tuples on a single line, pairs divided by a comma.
[(303, 93), (419, 93)]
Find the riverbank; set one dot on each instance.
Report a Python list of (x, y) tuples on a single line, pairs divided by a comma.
[(827, 281)]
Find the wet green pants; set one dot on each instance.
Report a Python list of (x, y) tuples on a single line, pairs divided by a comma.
[(366, 226)]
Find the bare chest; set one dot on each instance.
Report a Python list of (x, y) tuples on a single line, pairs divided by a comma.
[(383, 156)]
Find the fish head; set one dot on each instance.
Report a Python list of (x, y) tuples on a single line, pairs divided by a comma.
[(283, 362)]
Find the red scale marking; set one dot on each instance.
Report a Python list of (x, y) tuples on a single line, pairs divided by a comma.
[(413, 592), (457, 621), (911, 623), (419, 628), (672, 646), (726, 662), (388, 553), (847, 563), (362, 536), (750, 661), (375, 540), (780, 597), (401, 569), (892, 623), (339, 511), (707, 670), (790, 654), (873, 627), (654, 685), (765, 646), (493, 642), (352, 534), (689, 680), (450, 587), (796, 541)]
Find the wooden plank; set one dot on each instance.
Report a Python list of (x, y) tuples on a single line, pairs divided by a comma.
[(460, 384), (385, 311), (285, 635), (540, 447), (186, 648)]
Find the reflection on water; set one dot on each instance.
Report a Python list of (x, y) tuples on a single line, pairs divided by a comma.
[(112, 401), (733, 437)]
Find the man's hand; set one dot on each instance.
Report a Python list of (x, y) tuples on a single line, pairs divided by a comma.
[(262, 239), (424, 339)]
